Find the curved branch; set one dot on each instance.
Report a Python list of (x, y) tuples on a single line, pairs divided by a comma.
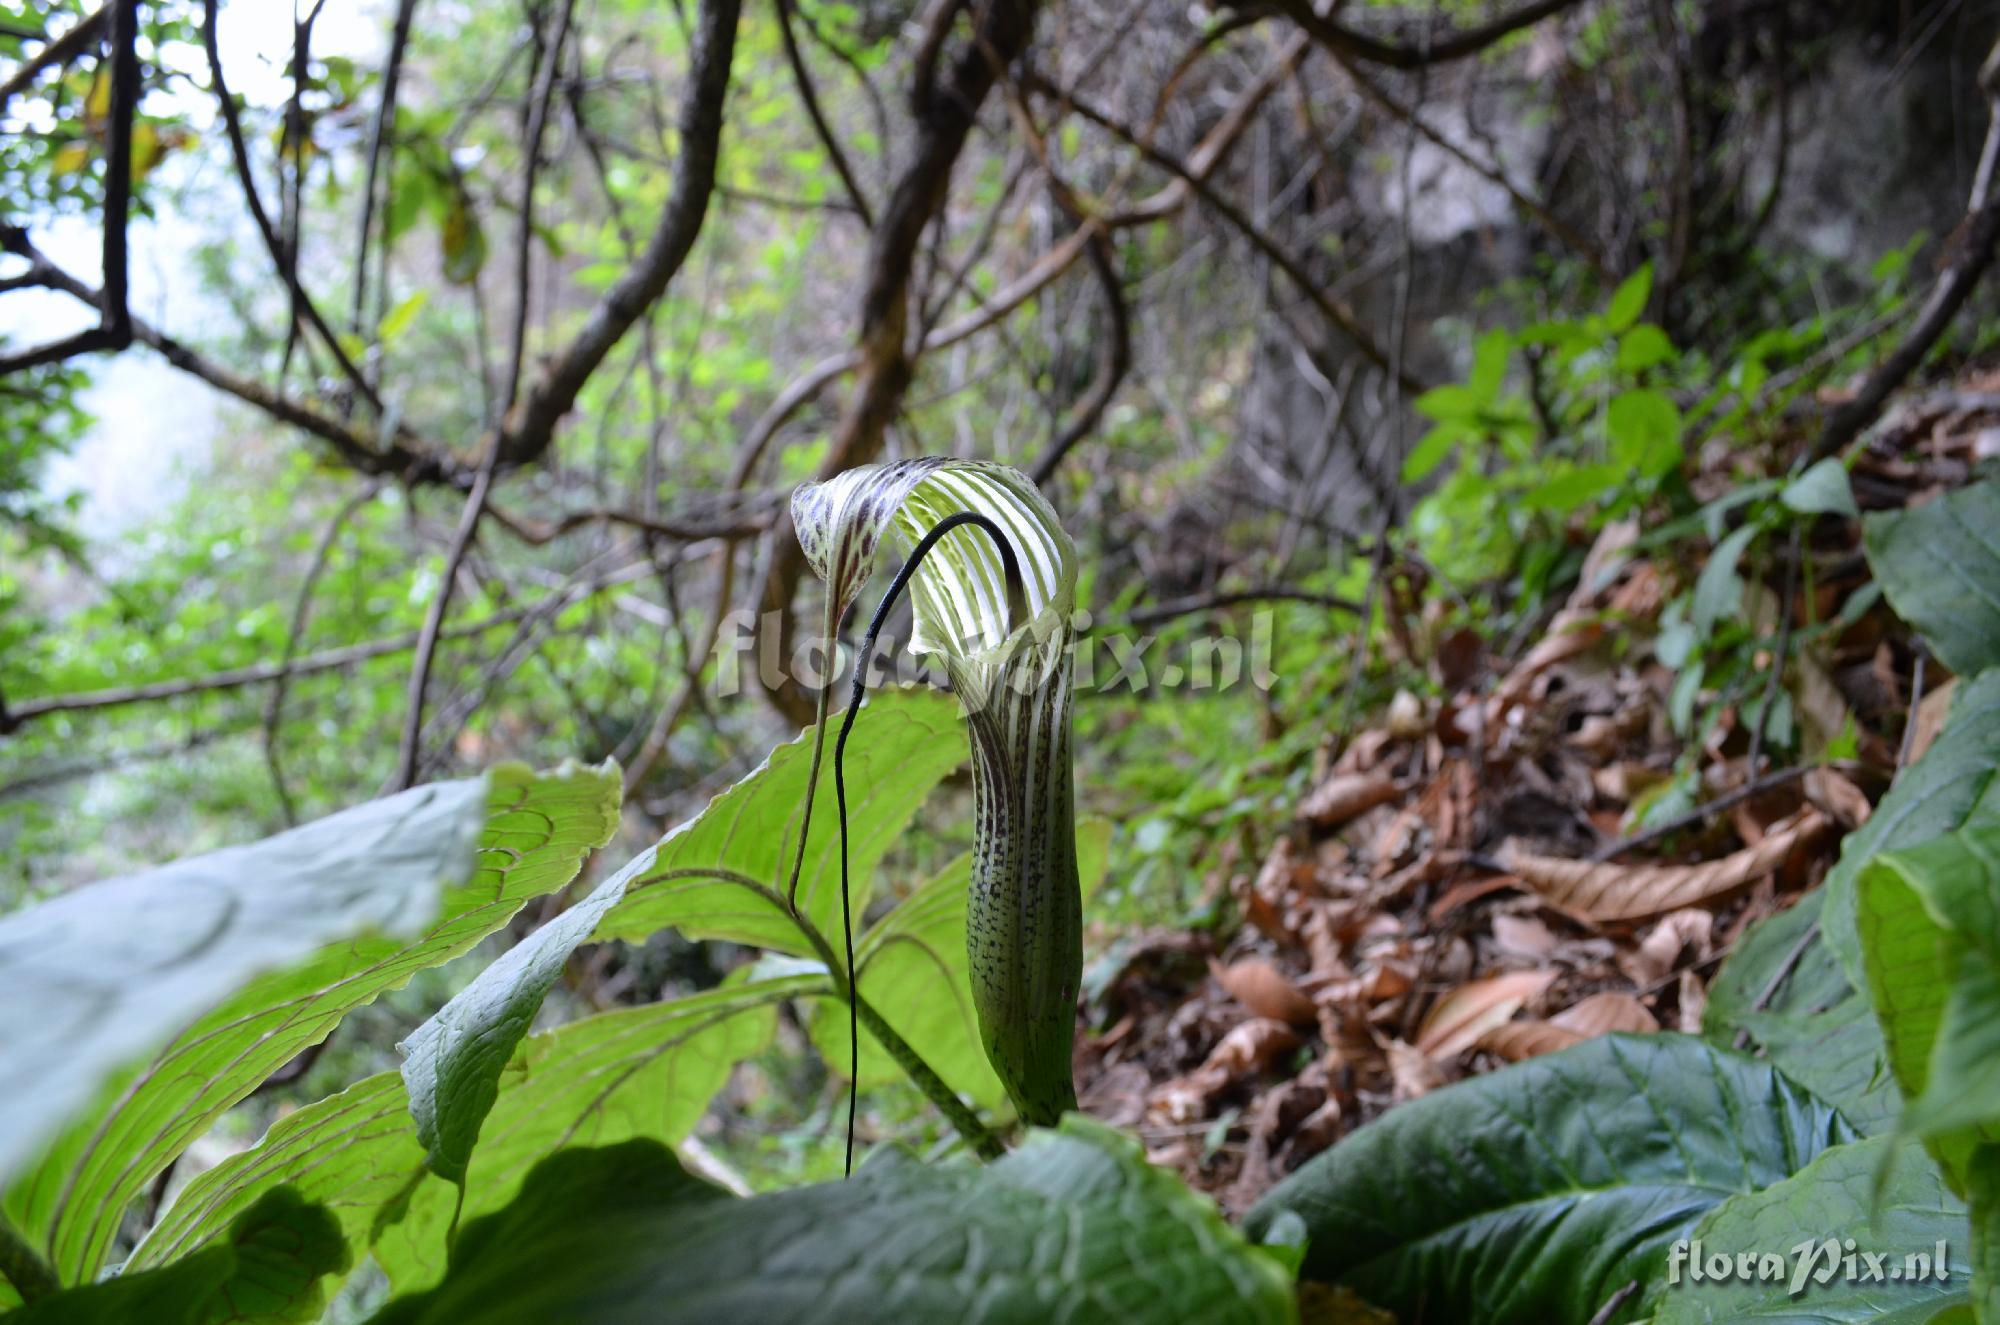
[(1414, 50), (288, 268), (810, 99), (326, 661), (527, 431)]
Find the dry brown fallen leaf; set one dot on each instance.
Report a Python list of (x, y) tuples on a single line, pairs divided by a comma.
[(1346, 795), (1614, 891), (1522, 936), (1412, 1071), (1263, 988), (1694, 1001), (1831, 792), (1600, 1014), (1251, 1047), (1456, 1021), (1660, 951), (1928, 720)]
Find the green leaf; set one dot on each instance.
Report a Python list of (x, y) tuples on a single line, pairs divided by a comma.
[(1535, 1193), (903, 745), (1644, 346), (1431, 450), (1628, 301), (1951, 786), (1886, 1196), (1784, 988), (355, 1153), (97, 977), (1822, 490), (1940, 566), (538, 829), (1645, 430), (1448, 404), (1718, 591), (1929, 919), (399, 318), (1564, 491), (269, 1269), (912, 968), (638, 1072), (1489, 364), (452, 1063), (1072, 1226)]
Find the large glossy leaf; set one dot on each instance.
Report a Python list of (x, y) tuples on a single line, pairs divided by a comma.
[(538, 830), (1534, 1194), (94, 979), (1939, 564), (902, 746), (638, 1072), (1784, 989), (1887, 1196), (454, 1060), (1930, 928), (912, 965), (1072, 1227), (354, 1154), (269, 1269), (1951, 786)]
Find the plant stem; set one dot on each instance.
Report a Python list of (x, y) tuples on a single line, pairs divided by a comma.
[(983, 1142), (25, 1269), (955, 1110)]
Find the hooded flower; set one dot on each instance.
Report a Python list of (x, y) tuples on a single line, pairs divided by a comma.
[(1006, 650)]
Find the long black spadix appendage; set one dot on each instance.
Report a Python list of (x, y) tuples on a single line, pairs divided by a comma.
[(1015, 597)]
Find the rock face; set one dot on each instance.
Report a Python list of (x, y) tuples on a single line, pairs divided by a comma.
[(1881, 125)]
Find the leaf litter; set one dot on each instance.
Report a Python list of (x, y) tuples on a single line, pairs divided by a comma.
[(1533, 853)]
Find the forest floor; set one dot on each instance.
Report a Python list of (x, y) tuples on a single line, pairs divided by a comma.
[(1531, 856)]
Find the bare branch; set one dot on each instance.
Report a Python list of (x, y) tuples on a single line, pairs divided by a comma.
[(235, 678), (528, 430), (114, 314), (274, 243), (274, 704), (1413, 49), (810, 99), (1968, 253)]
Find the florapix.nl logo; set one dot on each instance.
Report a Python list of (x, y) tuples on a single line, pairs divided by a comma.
[(1106, 659), (1815, 1261)]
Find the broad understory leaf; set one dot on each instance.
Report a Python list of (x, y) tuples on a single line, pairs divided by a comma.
[(1072, 1227), (1883, 1193), (1939, 565), (95, 978), (268, 1269), (454, 1060), (1006, 647), (537, 831), (1535, 1193), (452, 1063), (638, 1072), (1952, 785), (912, 966), (1785, 989), (1930, 928), (355, 1155), (904, 744)]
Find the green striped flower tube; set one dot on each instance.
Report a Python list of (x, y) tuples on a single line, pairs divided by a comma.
[(1006, 651)]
